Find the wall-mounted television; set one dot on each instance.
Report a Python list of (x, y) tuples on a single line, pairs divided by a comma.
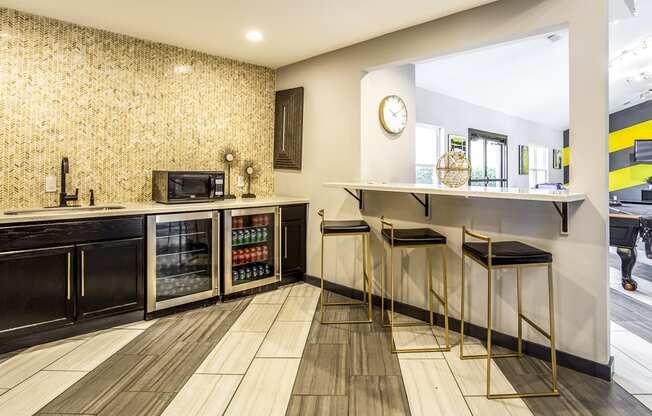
[(643, 150)]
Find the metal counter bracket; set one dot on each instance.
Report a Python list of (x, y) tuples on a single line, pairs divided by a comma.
[(425, 203), (358, 197), (562, 209)]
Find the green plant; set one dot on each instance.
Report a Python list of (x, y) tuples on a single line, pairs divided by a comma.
[(649, 180)]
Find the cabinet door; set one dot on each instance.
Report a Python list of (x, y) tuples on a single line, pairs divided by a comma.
[(288, 129), (293, 247), (36, 291), (110, 277)]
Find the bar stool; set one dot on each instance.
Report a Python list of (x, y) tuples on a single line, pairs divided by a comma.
[(509, 255), (347, 228), (425, 238)]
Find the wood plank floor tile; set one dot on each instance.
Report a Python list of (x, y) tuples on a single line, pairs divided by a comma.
[(137, 404), (143, 325), (481, 406), (633, 346), (581, 395), (304, 289), (431, 389), (631, 375), (329, 333), (28, 397), (285, 340), (256, 318), (233, 354), (277, 296), (377, 395), (170, 371), (102, 385), (204, 395), (411, 337), (471, 374), (265, 389), (318, 406), (93, 352), (371, 355), (645, 399), (324, 370), (298, 309), (24, 365)]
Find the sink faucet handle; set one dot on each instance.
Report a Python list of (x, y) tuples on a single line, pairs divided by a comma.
[(91, 201)]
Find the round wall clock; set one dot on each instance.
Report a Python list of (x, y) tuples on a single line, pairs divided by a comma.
[(393, 114)]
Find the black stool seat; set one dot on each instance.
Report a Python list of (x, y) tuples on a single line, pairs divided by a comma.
[(344, 227), (413, 236), (505, 253)]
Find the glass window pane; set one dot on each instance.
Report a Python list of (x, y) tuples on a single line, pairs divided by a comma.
[(494, 159), (426, 145), (477, 159)]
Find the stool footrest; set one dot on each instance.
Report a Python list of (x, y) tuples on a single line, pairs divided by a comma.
[(346, 322), (552, 393), (535, 326), (485, 356), (345, 304), (417, 350)]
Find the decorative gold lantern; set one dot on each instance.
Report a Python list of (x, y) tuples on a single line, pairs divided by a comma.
[(454, 169)]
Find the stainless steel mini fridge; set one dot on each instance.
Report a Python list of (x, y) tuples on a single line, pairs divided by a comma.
[(251, 248), (182, 258)]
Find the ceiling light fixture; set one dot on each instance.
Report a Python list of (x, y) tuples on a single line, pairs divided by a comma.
[(254, 36), (4, 35), (183, 69)]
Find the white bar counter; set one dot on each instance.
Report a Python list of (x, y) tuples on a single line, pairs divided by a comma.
[(546, 195)]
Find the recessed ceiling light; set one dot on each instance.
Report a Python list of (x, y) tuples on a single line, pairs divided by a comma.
[(183, 69), (254, 36), (4, 35)]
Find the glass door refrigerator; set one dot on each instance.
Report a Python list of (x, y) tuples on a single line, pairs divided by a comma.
[(251, 254), (182, 258)]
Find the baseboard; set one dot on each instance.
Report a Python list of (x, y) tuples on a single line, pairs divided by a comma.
[(542, 352)]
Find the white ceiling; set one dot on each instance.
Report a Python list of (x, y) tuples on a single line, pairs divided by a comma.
[(529, 78), (294, 29)]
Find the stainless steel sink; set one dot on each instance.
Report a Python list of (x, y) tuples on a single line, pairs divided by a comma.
[(63, 210)]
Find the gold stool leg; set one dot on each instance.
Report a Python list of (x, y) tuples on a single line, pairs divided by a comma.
[(382, 285), (553, 348), (321, 298), (462, 311), (489, 319), (430, 289), (445, 278), (370, 274), (519, 300)]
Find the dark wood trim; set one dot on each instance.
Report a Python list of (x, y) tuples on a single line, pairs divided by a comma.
[(542, 352), (288, 129)]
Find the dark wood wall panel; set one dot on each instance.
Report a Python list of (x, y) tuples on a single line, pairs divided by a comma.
[(288, 129)]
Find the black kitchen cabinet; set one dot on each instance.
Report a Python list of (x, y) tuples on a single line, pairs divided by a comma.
[(293, 240), (36, 290), (110, 277)]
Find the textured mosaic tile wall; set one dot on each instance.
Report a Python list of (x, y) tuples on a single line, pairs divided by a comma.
[(116, 107)]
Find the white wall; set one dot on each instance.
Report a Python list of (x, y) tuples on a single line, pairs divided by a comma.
[(331, 152), (457, 116), (386, 157)]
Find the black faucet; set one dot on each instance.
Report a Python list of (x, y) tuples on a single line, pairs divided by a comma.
[(63, 196)]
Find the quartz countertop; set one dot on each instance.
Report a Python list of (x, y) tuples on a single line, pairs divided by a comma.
[(147, 208), (465, 191)]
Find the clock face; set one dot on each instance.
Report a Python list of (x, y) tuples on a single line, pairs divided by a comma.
[(393, 114)]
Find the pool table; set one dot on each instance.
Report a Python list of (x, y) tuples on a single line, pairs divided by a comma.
[(627, 221)]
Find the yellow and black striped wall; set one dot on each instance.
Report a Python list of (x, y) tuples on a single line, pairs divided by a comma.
[(627, 177)]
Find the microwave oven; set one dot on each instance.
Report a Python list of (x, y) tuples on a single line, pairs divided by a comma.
[(176, 187)]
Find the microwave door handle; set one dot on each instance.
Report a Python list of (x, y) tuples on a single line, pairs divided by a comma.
[(213, 190)]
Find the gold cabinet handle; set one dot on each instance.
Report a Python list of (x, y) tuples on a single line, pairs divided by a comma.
[(68, 279), (83, 273), (285, 242)]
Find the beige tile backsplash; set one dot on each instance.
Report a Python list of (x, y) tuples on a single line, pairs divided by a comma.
[(116, 107)]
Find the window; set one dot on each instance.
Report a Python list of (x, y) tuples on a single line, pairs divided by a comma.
[(488, 157), (429, 140), (538, 165)]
